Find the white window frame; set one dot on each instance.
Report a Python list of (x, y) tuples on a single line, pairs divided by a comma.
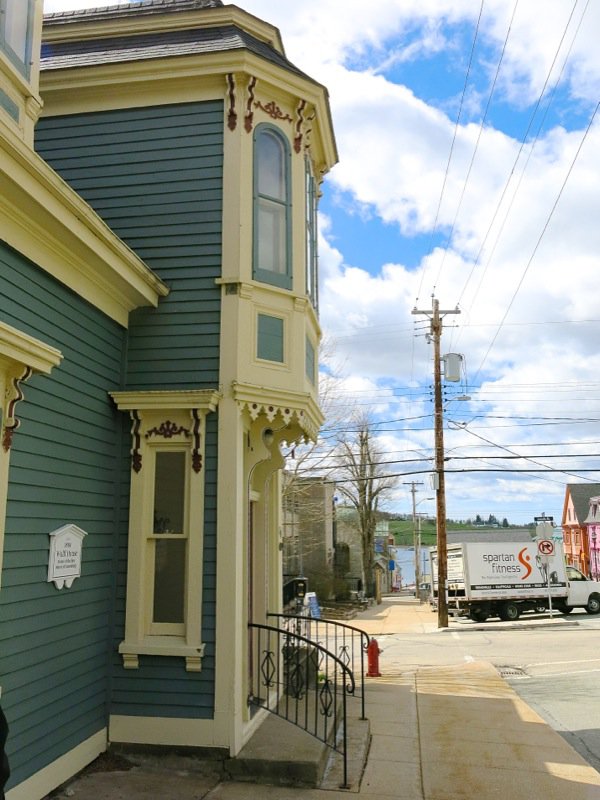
[(152, 538), (162, 422)]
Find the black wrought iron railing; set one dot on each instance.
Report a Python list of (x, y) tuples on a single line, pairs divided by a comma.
[(302, 682), (345, 641)]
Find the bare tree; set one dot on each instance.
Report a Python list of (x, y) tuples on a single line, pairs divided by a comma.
[(362, 480), (308, 520)]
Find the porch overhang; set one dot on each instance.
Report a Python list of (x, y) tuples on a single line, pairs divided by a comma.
[(298, 410)]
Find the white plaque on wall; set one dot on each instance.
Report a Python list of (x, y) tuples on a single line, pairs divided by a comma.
[(64, 564)]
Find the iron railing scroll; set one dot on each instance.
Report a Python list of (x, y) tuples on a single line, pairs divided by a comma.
[(347, 642), (300, 680)]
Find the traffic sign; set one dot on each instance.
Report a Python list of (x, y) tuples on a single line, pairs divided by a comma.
[(546, 547)]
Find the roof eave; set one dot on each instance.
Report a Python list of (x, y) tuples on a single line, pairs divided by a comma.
[(69, 29), (181, 68)]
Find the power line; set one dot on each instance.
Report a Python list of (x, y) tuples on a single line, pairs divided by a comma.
[(476, 148), (521, 148), (465, 471), (511, 452), (454, 136), (541, 236)]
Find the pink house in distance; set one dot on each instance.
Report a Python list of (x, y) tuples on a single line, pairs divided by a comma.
[(593, 528), (578, 498)]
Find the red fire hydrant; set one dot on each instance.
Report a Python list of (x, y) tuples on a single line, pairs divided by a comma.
[(373, 652)]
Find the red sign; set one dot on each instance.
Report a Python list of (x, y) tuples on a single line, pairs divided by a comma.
[(546, 547)]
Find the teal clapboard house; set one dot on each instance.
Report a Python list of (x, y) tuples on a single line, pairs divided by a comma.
[(159, 335)]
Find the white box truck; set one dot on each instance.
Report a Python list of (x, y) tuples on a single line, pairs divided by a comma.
[(503, 579)]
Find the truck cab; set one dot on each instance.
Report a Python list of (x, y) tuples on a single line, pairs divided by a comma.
[(582, 593)]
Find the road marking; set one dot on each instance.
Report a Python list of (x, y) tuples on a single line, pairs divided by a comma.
[(560, 674), (469, 659), (573, 661), (454, 635)]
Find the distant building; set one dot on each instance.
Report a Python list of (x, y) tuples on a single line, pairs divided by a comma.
[(593, 528), (576, 509), (349, 549), (308, 532)]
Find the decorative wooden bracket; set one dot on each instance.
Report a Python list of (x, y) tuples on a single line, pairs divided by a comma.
[(14, 394), (136, 455), (299, 121), (232, 116), (249, 115), (167, 430), (196, 455), (273, 110)]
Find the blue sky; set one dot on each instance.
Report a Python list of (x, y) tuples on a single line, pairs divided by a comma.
[(424, 202)]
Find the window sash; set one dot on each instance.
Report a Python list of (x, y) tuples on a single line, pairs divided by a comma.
[(168, 542), (271, 233), (310, 361), (272, 208), (270, 338), (168, 595), (16, 32), (271, 166), (312, 282)]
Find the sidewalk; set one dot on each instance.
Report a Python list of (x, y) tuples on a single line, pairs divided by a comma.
[(451, 733)]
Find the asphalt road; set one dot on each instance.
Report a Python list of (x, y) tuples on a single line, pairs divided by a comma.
[(553, 664)]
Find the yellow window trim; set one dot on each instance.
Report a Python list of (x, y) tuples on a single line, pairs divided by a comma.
[(164, 420)]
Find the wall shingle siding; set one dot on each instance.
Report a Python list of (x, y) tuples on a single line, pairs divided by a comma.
[(155, 176), (53, 643)]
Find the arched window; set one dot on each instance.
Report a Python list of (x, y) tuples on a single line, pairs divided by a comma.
[(272, 208)]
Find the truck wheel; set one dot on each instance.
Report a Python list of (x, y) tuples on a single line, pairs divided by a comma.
[(509, 612), (478, 615), (593, 604), (565, 609)]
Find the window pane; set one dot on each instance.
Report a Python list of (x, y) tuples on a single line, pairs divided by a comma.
[(271, 237), (311, 236), (15, 26), (271, 166), (169, 580), (310, 361), (169, 492), (270, 338)]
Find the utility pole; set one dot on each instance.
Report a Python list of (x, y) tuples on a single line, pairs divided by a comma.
[(436, 316), (413, 491)]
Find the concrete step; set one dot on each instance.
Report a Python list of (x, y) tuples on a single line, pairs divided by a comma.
[(281, 754)]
